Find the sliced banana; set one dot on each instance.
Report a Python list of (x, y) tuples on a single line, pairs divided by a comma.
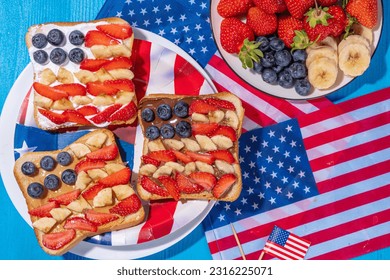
[(79, 149), (231, 119), (44, 224), (120, 50), (101, 51), (156, 145), (204, 167), (121, 73), (205, 143), (191, 145), (113, 167), (103, 198), (163, 170), (327, 42), (122, 191), (354, 59), (216, 116), (96, 174), (147, 169), (322, 73), (60, 214), (361, 30), (103, 100), (97, 140), (82, 180), (47, 76), (124, 97), (42, 101), (78, 205), (173, 144), (103, 75), (196, 117), (189, 168), (224, 166), (64, 76), (81, 100), (354, 39), (324, 51), (62, 104), (222, 142), (175, 166), (85, 76)]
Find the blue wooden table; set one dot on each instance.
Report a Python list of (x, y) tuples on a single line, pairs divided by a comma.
[(17, 239)]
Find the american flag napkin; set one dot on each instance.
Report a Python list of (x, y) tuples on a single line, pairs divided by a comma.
[(324, 177)]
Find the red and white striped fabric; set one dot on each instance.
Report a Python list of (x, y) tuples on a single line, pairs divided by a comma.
[(348, 147)]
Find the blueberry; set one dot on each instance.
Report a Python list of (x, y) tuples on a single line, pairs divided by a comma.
[(269, 76), (167, 131), (55, 37), (276, 44), (76, 38), (183, 129), (58, 56), (152, 132), (47, 163), (264, 46), (64, 158), (69, 177), (164, 112), (268, 60), (298, 70), (258, 67), (299, 55), (278, 68), (147, 115), (40, 56), (51, 182), (76, 55), (285, 79), (181, 109), (39, 41), (28, 168), (282, 58), (302, 87), (35, 190)]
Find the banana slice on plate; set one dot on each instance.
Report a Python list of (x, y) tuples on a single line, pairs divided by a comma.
[(322, 73), (366, 32), (327, 42), (319, 52), (354, 39), (354, 59)]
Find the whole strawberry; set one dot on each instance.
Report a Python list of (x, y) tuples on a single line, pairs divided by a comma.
[(288, 27), (365, 11), (326, 3), (233, 8), (298, 8), (271, 6), (261, 22)]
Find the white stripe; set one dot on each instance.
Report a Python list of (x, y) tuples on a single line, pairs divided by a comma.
[(345, 167), (248, 124), (258, 103), (300, 253), (299, 242), (348, 142), (285, 255), (344, 119), (297, 245)]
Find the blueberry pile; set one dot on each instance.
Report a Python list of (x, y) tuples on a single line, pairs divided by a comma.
[(51, 181), (280, 66), (56, 38), (165, 113)]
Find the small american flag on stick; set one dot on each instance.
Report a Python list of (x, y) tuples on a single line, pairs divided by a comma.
[(285, 245)]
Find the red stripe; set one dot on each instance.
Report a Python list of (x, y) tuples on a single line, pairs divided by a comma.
[(349, 154), (345, 107), (24, 106), (159, 222), (188, 80), (141, 66), (344, 131)]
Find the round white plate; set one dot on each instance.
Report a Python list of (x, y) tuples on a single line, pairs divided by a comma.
[(189, 214), (255, 80)]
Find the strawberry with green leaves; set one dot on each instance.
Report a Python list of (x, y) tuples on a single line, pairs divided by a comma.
[(237, 38), (233, 8), (365, 11), (290, 31)]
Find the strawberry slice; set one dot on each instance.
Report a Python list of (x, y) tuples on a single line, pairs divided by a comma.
[(120, 177), (124, 114), (91, 192), (127, 206), (66, 198), (118, 31), (171, 186), (80, 223), (223, 185), (92, 65), (109, 152), (72, 89), (50, 92), (201, 107), (226, 131), (88, 110), (96, 37), (121, 84), (182, 157), (105, 114), (185, 185), (148, 160), (44, 210), (207, 158), (88, 164), (57, 240), (99, 218), (220, 103), (76, 117), (204, 128), (54, 117), (117, 63), (163, 155), (206, 180), (152, 187), (224, 155), (98, 88)]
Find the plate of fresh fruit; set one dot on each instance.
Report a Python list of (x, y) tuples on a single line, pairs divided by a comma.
[(297, 49)]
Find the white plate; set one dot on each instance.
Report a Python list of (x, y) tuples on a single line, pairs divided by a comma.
[(255, 80), (190, 214)]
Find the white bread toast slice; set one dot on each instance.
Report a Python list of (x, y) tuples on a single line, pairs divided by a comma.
[(98, 199), (203, 165), (79, 79)]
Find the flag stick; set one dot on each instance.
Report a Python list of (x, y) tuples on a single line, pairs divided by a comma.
[(261, 255), (238, 241)]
